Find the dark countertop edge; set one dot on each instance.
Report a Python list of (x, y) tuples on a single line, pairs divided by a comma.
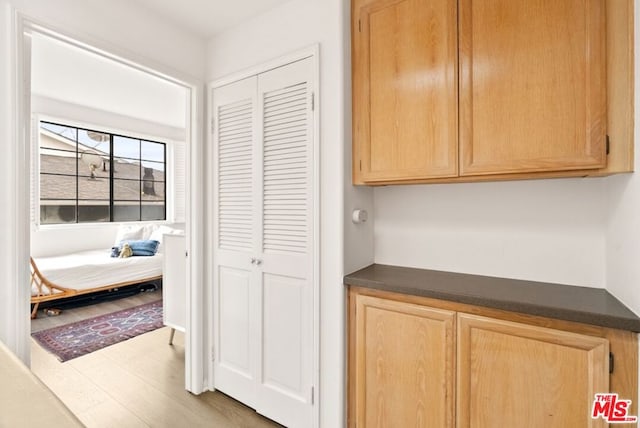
[(477, 299)]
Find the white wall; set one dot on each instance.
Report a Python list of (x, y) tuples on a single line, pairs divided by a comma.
[(74, 75), (294, 25), (118, 26), (623, 203), (122, 27), (84, 115), (542, 230)]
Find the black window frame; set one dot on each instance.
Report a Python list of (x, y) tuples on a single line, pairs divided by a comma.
[(112, 160)]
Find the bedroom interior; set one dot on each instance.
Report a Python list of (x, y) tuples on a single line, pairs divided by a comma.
[(89, 175), (88, 169)]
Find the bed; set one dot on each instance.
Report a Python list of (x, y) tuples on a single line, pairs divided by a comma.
[(85, 272)]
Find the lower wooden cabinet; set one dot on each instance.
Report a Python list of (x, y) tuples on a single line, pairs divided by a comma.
[(443, 364), (404, 364), (516, 375)]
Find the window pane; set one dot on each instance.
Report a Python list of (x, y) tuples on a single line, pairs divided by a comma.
[(93, 165), (76, 169), (57, 187), (158, 168), (126, 190), (152, 181), (58, 161), (123, 211), (152, 151), (153, 211), (158, 196), (93, 188), (93, 211), (124, 147), (125, 168), (57, 214), (93, 142), (57, 136)]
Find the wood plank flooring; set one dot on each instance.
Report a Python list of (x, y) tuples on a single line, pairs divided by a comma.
[(137, 383)]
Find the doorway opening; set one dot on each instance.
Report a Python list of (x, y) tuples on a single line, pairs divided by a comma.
[(37, 101)]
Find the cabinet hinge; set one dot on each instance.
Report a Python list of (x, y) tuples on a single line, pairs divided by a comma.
[(186, 254), (608, 145), (359, 26), (610, 362), (213, 354), (313, 101), (361, 165), (312, 395)]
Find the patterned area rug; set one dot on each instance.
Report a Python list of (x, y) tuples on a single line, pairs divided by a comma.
[(83, 337)]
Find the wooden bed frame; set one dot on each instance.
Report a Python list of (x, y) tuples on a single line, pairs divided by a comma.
[(48, 291)]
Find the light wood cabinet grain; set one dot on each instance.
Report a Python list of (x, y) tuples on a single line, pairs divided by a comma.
[(512, 374), (423, 362), (532, 85), (491, 90), (404, 365), (405, 88)]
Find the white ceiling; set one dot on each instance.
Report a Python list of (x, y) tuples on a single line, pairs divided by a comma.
[(207, 18), (66, 73)]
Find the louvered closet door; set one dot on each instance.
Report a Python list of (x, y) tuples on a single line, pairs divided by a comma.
[(286, 242), (236, 299)]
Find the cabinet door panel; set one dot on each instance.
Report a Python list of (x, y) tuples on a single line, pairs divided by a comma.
[(405, 89), (512, 374), (532, 85), (403, 365)]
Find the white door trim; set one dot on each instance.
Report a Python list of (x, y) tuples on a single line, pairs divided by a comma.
[(194, 346), (312, 52)]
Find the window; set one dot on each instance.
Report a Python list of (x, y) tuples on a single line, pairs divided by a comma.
[(89, 176)]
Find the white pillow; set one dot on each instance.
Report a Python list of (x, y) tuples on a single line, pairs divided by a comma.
[(148, 230), (158, 234), (128, 233)]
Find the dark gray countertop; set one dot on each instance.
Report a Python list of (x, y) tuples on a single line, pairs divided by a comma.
[(580, 304)]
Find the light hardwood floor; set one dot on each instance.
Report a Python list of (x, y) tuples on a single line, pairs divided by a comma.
[(138, 383)]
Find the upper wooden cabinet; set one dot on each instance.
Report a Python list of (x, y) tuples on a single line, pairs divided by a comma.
[(493, 89), (405, 88), (532, 85)]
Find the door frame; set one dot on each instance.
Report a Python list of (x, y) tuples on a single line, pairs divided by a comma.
[(312, 52), (194, 344)]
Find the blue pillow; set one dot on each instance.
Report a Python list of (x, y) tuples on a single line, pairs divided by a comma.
[(147, 247)]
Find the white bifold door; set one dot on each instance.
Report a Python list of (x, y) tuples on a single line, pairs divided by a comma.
[(264, 242)]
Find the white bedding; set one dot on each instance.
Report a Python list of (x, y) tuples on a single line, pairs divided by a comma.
[(95, 268)]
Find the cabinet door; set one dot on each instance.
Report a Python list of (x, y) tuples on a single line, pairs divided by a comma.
[(405, 110), (517, 375), (402, 364), (532, 85)]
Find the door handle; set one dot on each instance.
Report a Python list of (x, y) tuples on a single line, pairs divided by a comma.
[(258, 262), (253, 260)]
